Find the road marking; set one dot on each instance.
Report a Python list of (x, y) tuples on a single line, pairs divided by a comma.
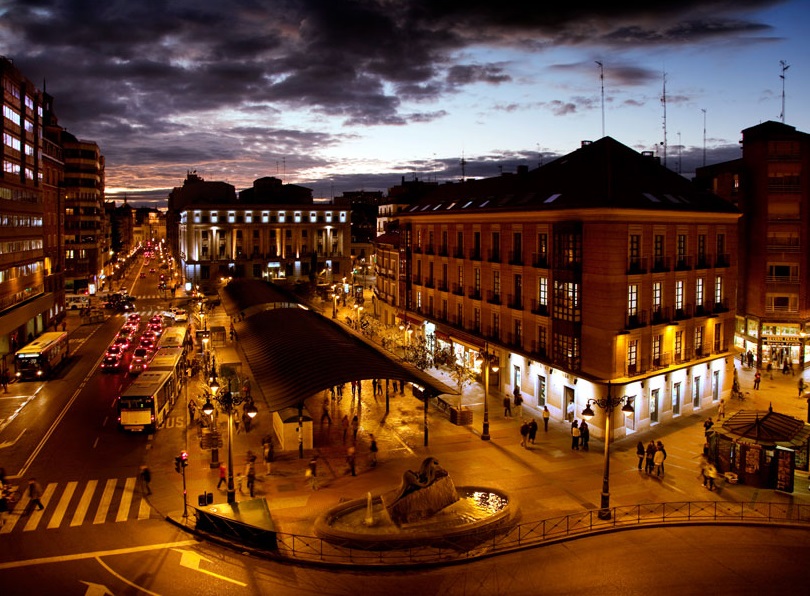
[(36, 514), (191, 560), (106, 499), (84, 503), (126, 500), (95, 555), (96, 589), (5, 444), (59, 513)]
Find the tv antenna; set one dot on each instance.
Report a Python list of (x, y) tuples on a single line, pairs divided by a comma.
[(704, 135), (463, 164), (664, 103), (602, 83), (784, 66)]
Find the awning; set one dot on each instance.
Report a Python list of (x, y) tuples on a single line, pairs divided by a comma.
[(470, 345), (20, 315), (442, 335)]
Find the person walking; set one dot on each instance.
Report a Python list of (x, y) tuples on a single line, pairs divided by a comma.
[(355, 427), (518, 403), (223, 475), (267, 452), (4, 380), (532, 431), (575, 436), (350, 461), (649, 463), (35, 494), (325, 414), (524, 434), (372, 448), (640, 453), (312, 472), (146, 478), (507, 407), (546, 416), (659, 446), (250, 474), (345, 424), (584, 435), (769, 370), (757, 379), (721, 410), (3, 507), (707, 426), (709, 472), (801, 386)]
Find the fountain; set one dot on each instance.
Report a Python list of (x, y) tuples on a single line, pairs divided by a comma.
[(426, 509)]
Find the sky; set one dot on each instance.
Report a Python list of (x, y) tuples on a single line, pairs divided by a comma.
[(347, 95)]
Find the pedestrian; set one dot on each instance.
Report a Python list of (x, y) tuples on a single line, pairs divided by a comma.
[(769, 370), (518, 403), (247, 421), (721, 410), (355, 427), (250, 474), (64, 326), (146, 478), (350, 461), (584, 435), (640, 454), (223, 475), (344, 423), (507, 407), (35, 494), (575, 436), (707, 426), (192, 410), (354, 388), (267, 452), (236, 423), (3, 507), (4, 379), (757, 378), (524, 434), (658, 462), (240, 483), (660, 447), (325, 414), (649, 462), (372, 447), (709, 472), (311, 472), (785, 368), (532, 431), (801, 386), (546, 416)]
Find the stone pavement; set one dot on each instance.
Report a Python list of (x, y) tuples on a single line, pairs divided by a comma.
[(546, 479)]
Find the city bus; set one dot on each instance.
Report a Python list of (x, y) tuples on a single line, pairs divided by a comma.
[(42, 356), (144, 404), (171, 360), (175, 336)]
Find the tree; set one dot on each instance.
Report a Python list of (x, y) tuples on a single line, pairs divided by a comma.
[(462, 373)]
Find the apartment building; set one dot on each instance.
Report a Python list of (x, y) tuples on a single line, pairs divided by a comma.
[(600, 272), (31, 298), (271, 231)]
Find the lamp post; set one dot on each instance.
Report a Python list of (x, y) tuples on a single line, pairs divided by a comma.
[(334, 301), (228, 402), (608, 404), (486, 364)]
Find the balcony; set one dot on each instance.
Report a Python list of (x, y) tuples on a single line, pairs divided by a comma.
[(430, 282), (514, 340), (723, 260), (787, 245), (721, 306), (660, 315), (430, 249), (416, 280), (444, 251), (515, 302), (443, 286), (683, 313), (540, 260), (475, 254), (494, 256), (493, 298), (636, 265), (703, 262), (539, 309), (417, 250), (458, 289), (538, 350), (782, 279), (475, 294), (660, 264), (458, 253), (636, 320), (683, 263), (490, 332), (515, 258)]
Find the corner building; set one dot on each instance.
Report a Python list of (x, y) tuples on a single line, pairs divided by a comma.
[(599, 272)]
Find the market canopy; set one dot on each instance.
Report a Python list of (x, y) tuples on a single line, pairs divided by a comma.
[(766, 428), (295, 352)]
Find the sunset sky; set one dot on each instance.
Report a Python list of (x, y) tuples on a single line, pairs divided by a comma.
[(353, 95)]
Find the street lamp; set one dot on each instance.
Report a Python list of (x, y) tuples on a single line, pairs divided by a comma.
[(488, 362), (359, 309), (607, 404), (228, 402), (334, 301)]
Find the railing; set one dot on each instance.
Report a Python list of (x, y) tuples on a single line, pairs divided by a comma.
[(548, 531)]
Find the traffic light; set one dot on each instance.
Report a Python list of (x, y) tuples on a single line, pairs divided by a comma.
[(180, 462), (184, 458), (177, 463)]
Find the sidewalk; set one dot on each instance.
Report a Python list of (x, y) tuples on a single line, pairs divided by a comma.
[(546, 479)]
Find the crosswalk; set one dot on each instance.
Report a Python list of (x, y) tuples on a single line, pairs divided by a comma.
[(68, 505)]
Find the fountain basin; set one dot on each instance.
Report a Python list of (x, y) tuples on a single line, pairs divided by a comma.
[(477, 516)]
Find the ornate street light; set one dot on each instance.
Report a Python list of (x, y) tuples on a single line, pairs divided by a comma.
[(608, 404), (488, 362), (334, 301), (228, 402)]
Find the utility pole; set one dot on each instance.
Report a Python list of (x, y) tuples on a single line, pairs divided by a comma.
[(602, 83), (784, 66), (704, 135)]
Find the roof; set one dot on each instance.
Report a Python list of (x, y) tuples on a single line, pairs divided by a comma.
[(767, 428), (602, 174), (294, 352)]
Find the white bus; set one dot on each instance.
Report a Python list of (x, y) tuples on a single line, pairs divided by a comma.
[(42, 356), (144, 404), (77, 301), (175, 336), (171, 360)]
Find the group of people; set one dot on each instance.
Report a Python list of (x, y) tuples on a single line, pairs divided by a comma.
[(580, 435), (652, 457)]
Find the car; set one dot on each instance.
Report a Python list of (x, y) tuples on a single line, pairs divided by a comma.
[(157, 328), (123, 343), (124, 307), (140, 361), (111, 362), (152, 270), (180, 316), (143, 275), (156, 319), (114, 350), (134, 318), (146, 343)]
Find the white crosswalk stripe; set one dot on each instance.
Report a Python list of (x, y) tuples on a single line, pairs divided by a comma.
[(68, 504)]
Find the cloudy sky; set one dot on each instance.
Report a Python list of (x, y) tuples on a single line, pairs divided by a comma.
[(343, 95)]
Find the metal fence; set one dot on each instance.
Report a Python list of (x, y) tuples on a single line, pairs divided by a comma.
[(547, 531)]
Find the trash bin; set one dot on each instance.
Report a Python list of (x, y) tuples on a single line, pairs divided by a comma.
[(205, 499), (461, 416)]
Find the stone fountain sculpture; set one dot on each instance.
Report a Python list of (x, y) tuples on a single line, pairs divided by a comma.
[(421, 495)]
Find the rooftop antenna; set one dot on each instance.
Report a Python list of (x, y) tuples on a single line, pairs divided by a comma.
[(679, 151), (704, 135), (784, 66), (602, 83), (664, 103), (463, 167)]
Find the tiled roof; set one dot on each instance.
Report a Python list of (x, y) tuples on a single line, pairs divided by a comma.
[(603, 174)]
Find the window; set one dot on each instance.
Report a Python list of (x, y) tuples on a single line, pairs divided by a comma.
[(518, 339), (518, 290), (517, 248), (632, 356), (718, 337), (460, 244), (460, 277), (699, 340), (678, 345), (701, 247), (679, 294), (676, 398), (566, 350), (566, 301), (635, 247), (542, 249), (659, 247), (718, 290), (541, 390), (632, 300), (699, 292), (477, 281), (656, 350), (542, 291), (657, 288), (476, 319), (496, 283), (496, 246), (496, 325), (681, 249), (721, 246), (541, 340)]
